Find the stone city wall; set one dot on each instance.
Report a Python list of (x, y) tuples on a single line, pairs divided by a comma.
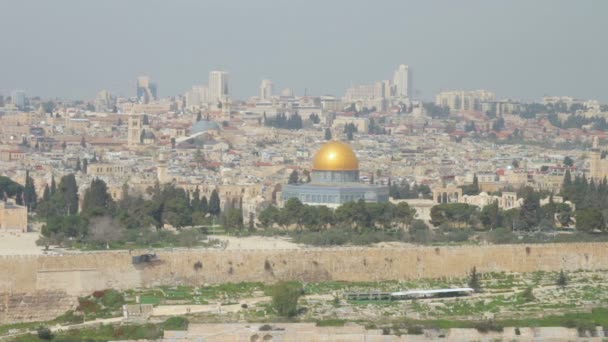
[(84, 273)]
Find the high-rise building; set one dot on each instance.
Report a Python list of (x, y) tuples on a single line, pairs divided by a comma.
[(18, 99), (460, 100), (219, 88), (266, 89), (104, 102), (197, 96), (401, 81), (146, 90)]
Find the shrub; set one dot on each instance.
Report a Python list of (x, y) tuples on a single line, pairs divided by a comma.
[(87, 306), (474, 280), (331, 323), (527, 295), (70, 317), (285, 297), (99, 294), (562, 280), (415, 330), (265, 327), (112, 299), (198, 266), (44, 333), (487, 326), (175, 323)]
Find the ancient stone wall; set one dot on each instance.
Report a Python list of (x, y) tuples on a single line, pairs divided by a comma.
[(34, 307), (83, 273)]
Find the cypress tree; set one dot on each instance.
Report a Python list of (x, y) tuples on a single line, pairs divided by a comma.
[(327, 134), (53, 185), (474, 281), (204, 205), (69, 189), (196, 200), (214, 203), (46, 194), (29, 192)]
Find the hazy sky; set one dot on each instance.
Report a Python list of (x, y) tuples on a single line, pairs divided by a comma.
[(519, 49)]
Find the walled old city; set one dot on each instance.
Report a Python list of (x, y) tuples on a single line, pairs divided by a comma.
[(303, 171)]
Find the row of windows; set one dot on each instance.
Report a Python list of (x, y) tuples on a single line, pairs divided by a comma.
[(308, 198)]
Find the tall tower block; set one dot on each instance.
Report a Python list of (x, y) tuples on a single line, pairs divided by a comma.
[(135, 129)]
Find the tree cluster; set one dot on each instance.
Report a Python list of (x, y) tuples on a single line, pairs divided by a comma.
[(578, 121), (405, 191), (374, 128), (359, 216), (101, 219), (11, 189), (531, 216), (282, 121), (591, 201)]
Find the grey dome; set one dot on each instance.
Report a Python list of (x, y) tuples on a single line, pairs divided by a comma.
[(204, 126)]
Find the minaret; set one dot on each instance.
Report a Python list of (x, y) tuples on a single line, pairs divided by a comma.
[(161, 169)]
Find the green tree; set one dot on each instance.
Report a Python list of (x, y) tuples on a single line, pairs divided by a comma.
[(69, 190), (285, 296), (46, 194), (349, 135), (590, 219), (97, 200), (214, 203), (53, 185), (491, 216), (530, 213), (29, 192), (327, 134), (85, 165), (474, 280), (562, 280), (232, 219), (568, 161), (419, 232), (269, 216), (453, 214), (293, 178), (204, 208), (44, 333), (528, 294)]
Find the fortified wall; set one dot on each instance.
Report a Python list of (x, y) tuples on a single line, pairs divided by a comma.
[(84, 273), (28, 283)]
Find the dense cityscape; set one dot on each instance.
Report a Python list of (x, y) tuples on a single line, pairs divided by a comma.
[(374, 214)]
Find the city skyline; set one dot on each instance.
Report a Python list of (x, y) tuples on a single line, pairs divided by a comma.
[(525, 61)]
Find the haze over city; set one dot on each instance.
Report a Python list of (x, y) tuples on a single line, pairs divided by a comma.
[(178, 171), (519, 49)]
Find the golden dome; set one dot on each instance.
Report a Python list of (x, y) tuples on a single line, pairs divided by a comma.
[(335, 156)]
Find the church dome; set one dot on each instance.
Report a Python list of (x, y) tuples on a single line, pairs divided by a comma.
[(335, 156)]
